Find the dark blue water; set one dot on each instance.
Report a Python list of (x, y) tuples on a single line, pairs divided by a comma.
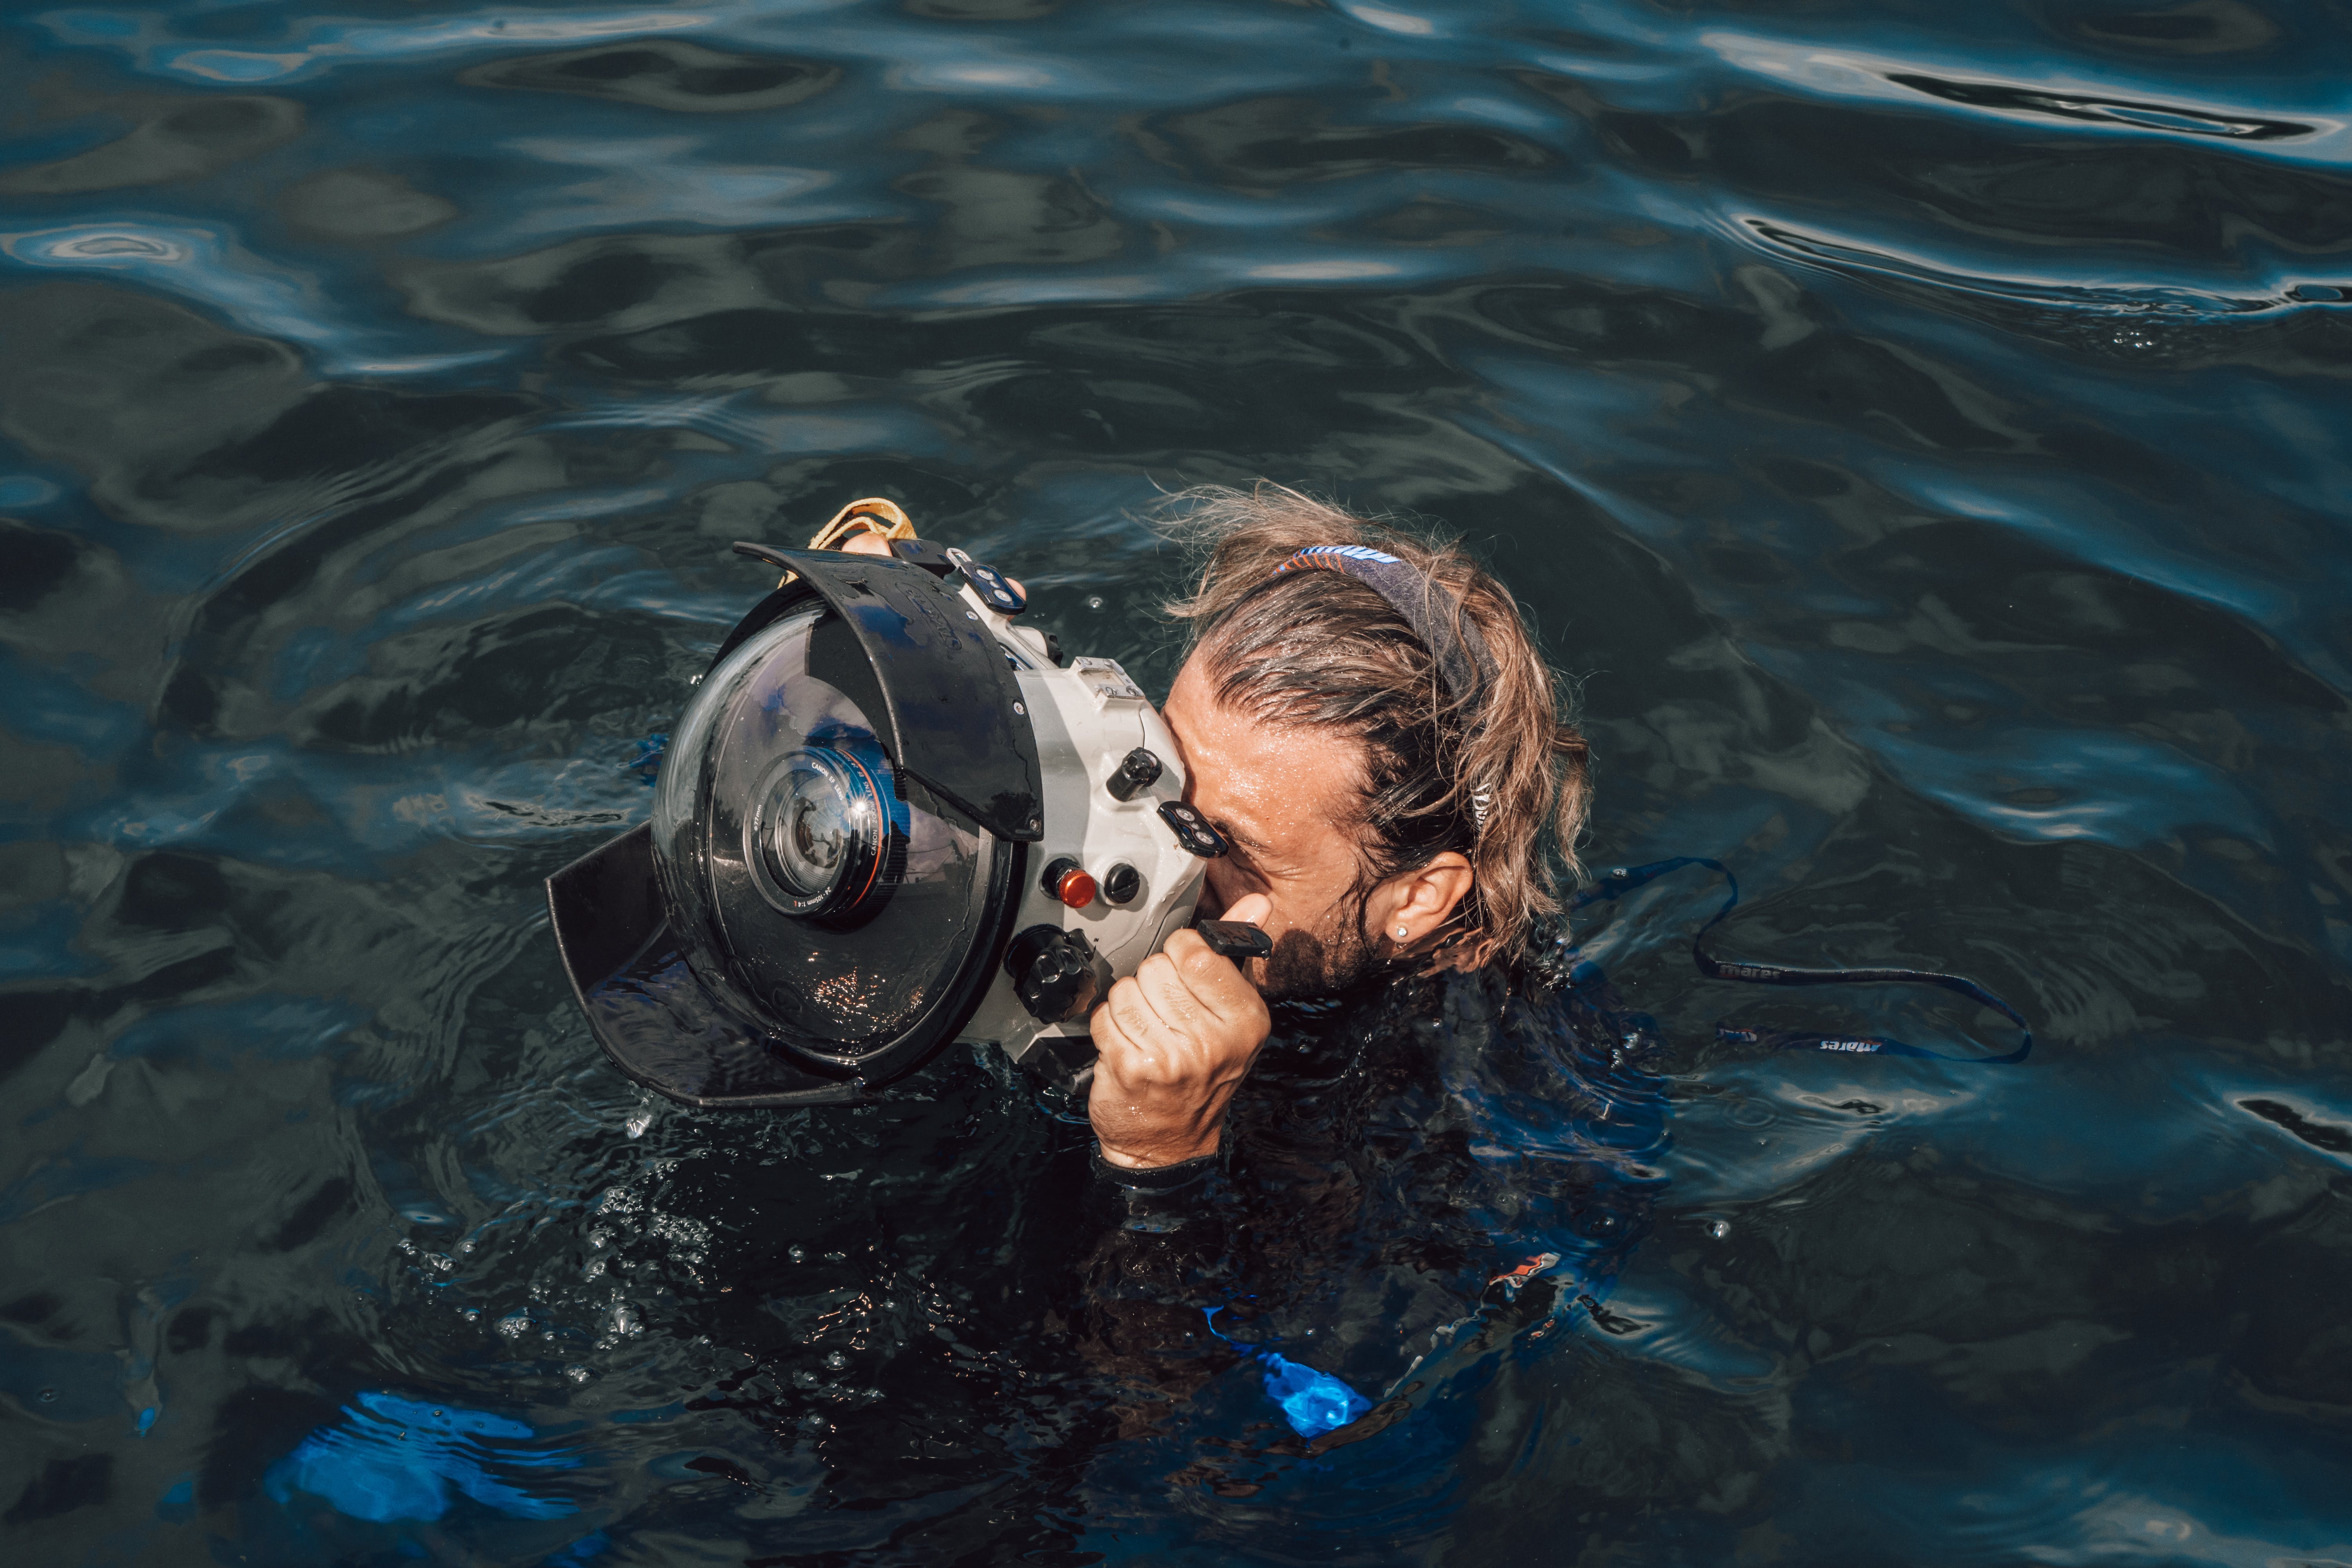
[(1922, 426)]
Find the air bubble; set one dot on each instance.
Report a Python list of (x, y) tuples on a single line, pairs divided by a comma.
[(577, 1373), (797, 1254), (625, 1319), (837, 1361), (514, 1325), (1094, 601), (1718, 1229), (636, 1125)]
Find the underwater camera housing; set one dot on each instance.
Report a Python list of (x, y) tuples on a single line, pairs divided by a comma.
[(888, 819)]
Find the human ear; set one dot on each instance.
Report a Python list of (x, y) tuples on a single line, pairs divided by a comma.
[(1409, 906)]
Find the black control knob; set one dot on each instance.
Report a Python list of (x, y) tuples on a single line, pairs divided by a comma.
[(1136, 772), (1122, 883), (1053, 974)]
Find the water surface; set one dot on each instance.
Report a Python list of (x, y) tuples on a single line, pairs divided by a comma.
[(1920, 426)]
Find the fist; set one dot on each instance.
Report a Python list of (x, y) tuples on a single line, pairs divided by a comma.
[(1176, 1037)]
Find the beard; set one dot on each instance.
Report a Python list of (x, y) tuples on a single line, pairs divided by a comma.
[(1321, 963)]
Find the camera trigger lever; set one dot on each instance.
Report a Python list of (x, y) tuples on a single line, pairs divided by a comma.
[(1235, 939)]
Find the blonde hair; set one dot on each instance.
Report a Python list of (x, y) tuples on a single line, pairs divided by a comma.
[(1497, 772)]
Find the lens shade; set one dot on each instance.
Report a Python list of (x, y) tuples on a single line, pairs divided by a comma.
[(653, 1015), (950, 713)]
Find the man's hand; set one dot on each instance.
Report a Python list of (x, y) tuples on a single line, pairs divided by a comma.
[(1176, 1037)]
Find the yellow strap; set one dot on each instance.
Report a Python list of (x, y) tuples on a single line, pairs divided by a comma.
[(872, 515)]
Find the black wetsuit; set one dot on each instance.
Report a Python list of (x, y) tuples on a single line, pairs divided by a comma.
[(1391, 1153)]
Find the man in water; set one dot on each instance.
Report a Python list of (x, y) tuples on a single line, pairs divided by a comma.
[(1379, 820), (1383, 813), (1387, 757)]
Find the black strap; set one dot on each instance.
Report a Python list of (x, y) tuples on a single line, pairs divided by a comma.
[(1618, 883)]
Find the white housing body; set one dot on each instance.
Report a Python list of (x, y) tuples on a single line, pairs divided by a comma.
[(1087, 717)]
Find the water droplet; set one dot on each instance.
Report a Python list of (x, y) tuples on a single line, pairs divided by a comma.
[(625, 1319), (837, 1361), (636, 1125), (797, 1254), (576, 1373), (1718, 1229), (1094, 601), (514, 1324), (48, 1395)]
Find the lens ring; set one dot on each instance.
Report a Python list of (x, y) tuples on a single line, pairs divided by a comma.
[(815, 838)]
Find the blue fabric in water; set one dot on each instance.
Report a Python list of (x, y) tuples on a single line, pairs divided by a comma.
[(1313, 1402), (393, 1458)]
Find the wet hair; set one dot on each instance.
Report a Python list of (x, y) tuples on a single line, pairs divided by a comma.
[(1321, 650)]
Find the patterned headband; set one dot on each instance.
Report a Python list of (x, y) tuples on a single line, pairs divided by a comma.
[(1435, 614)]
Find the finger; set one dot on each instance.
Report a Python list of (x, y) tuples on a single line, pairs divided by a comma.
[(1145, 1054), (1122, 1059), (865, 544), (1217, 983), (1250, 909), (1180, 1012), (1110, 1040)]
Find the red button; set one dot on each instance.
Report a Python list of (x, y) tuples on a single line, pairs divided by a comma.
[(1075, 889)]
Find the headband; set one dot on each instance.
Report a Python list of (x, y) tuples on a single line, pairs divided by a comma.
[(1435, 614)]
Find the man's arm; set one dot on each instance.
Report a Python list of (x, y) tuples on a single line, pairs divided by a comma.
[(1175, 1039)]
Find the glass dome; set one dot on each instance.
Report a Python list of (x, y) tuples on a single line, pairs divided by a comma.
[(815, 891)]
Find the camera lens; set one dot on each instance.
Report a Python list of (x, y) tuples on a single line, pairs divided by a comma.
[(818, 832)]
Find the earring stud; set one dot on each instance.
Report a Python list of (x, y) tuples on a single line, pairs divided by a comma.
[(1401, 930)]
